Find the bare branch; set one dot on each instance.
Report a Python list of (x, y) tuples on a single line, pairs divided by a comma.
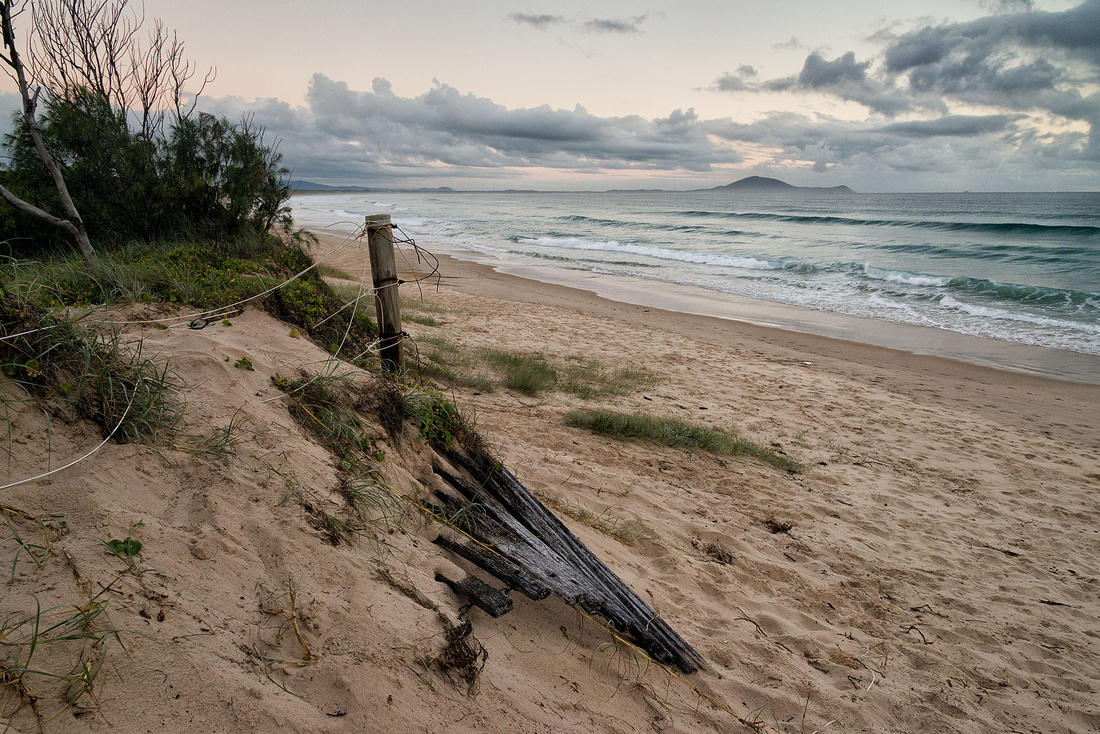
[(74, 225)]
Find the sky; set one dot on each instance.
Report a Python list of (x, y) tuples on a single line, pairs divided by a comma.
[(911, 95)]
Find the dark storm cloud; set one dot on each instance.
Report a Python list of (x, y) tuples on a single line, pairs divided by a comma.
[(965, 126), (1011, 62), (847, 78), (380, 135)]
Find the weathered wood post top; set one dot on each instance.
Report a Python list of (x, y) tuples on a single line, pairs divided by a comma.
[(384, 274)]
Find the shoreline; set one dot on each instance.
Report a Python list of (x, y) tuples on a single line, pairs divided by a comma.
[(1052, 363), (1044, 361), (1043, 403)]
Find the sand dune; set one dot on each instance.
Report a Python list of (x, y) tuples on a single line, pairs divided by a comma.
[(934, 568)]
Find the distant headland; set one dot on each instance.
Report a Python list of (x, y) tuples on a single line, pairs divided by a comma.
[(774, 186)]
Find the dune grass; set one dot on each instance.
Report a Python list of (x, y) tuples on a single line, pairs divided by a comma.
[(73, 371), (528, 373), (676, 433), (332, 408)]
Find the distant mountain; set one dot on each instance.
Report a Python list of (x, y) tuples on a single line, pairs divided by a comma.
[(774, 185)]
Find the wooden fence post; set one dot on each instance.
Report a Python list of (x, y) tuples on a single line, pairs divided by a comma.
[(384, 274)]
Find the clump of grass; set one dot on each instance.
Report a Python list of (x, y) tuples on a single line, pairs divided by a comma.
[(422, 319), (605, 522), (412, 303), (449, 376), (526, 373), (67, 631), (588, 378), (37, 551), (445, 362), (676, 433), (441, 422), (223, 441), (76, 371), (329, 407)]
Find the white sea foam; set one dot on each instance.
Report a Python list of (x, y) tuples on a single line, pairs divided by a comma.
[(900, 276), (824, 267), (987, 312), (660, 253)]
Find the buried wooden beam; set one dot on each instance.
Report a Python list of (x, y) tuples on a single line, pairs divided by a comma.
[(498, 566), (492, 601), (524, 533)]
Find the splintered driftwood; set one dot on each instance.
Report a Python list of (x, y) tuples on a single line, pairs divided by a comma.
[(528, 548)]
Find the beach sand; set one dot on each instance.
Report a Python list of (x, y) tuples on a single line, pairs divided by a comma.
[(938, 570)]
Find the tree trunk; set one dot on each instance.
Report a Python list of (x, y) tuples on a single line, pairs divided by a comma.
[(74, 225)]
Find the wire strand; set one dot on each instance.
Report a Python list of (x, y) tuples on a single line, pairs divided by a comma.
[(82, 458)]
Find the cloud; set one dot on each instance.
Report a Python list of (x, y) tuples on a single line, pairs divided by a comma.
[(542, 22), (1008, 98), (732, 83), (379, 138), (790, 45), (965, 126), (592, 25), (1016, 61), (350, 135), (844, 77), (614, 25), (956, 148), (1007, 6), (818, 73)]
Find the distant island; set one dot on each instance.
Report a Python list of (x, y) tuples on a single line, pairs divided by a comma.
[(751, 184), (775, 186)]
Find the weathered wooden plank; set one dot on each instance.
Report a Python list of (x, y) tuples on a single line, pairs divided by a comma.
[(516, 543), (498, 566), (534, 539), (492, 601), (619, 603)]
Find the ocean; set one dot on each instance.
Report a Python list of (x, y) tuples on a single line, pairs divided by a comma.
[(1021, 269)]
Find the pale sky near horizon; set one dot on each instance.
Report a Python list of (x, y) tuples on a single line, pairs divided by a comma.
[(900, 96)]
